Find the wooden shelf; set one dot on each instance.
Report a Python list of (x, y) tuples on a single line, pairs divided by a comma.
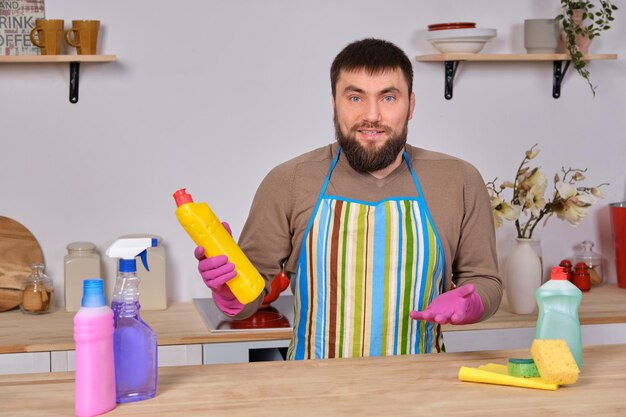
[(507, 57), (451, 62), (73, 60), (39, 59)]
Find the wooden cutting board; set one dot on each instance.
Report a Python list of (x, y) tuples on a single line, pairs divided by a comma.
[(18, 249)]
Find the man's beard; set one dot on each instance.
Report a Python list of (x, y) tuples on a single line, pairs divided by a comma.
[(369, 158)]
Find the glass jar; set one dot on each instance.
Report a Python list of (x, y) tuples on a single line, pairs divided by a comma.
[(593, 261), (37, 295)]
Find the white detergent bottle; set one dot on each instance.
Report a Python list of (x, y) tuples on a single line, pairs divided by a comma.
[(558, 301)]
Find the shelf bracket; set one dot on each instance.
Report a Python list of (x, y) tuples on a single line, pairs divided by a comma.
[(557, 78), (450, 71), (74, 70)]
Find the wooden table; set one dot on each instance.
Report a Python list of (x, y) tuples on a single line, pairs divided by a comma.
[(181, 324), (412, 385)]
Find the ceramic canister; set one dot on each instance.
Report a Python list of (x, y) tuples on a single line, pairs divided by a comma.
[(541, 36)]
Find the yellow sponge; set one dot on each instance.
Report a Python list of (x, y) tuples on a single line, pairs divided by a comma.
[(554, 361)]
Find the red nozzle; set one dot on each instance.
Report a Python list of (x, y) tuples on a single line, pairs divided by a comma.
[(182, 197), (558, 273)]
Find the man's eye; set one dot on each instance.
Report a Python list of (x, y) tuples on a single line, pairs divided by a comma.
[(389, 98), (355, 99)]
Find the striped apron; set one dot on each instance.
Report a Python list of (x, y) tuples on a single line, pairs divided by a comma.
[(362, 268)]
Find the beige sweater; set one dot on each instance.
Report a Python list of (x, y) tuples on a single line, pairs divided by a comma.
[(454, 191)]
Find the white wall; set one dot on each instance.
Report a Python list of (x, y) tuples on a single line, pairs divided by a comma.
[(210, 95)]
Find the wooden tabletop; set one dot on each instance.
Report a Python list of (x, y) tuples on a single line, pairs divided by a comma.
[(182, 324), (411, 385)]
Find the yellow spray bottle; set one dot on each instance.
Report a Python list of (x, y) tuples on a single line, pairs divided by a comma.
[(207, 231)]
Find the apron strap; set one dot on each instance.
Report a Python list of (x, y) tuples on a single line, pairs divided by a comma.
[(322, 193), (330, 171), (420, 195)]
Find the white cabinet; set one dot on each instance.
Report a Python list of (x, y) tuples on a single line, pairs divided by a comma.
[(522, 338), (24, 363), (171, 355), (177, 355)]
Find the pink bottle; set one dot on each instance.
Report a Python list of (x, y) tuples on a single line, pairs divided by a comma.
[(93, 337)]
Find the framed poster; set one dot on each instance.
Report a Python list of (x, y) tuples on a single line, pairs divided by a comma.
[(17, 18)]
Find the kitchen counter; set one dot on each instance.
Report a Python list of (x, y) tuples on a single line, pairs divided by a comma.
[(181, 324), (605, 304), (408, 385)]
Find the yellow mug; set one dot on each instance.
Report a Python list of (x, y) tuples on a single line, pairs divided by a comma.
[(85, 36), (49, 35)]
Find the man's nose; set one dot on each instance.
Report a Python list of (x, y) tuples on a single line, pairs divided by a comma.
[(372, 112)]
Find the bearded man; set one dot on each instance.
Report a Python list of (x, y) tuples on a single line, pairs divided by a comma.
[(383, 241)]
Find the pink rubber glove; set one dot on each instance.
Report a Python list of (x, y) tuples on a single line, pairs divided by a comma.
[(215, 272), (461, 305)]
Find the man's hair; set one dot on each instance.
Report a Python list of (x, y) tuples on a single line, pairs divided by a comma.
[(374, 56)]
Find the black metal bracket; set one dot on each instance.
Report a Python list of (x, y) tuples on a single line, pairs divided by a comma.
[(74, 71), (557, 78), (450, 72), (558, 74)]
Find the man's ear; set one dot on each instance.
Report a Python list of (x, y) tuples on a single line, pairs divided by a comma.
[(411, 105)]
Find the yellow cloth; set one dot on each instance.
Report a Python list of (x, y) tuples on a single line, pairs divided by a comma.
[(498, 374)]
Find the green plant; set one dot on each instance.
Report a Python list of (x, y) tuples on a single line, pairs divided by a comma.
[(593, 22)]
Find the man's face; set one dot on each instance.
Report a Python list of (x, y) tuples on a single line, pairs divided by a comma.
[(371, 116)]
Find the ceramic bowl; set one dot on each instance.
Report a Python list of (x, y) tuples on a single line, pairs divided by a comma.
[(460, 41)]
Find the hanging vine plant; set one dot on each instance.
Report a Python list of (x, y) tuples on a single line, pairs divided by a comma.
[(582, 21)]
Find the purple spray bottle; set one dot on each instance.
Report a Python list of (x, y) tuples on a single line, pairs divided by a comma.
[(134, 342)]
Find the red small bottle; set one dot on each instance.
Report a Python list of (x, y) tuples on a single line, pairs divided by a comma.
[(566, 264), (581, 277)]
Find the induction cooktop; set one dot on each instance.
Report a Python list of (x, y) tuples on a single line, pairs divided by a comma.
[(277, 316)]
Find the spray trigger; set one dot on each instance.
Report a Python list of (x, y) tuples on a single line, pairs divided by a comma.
[(144, 255), (126, 249), (144, 259)]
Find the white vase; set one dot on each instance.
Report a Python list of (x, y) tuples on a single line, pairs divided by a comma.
[(523, 276)]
